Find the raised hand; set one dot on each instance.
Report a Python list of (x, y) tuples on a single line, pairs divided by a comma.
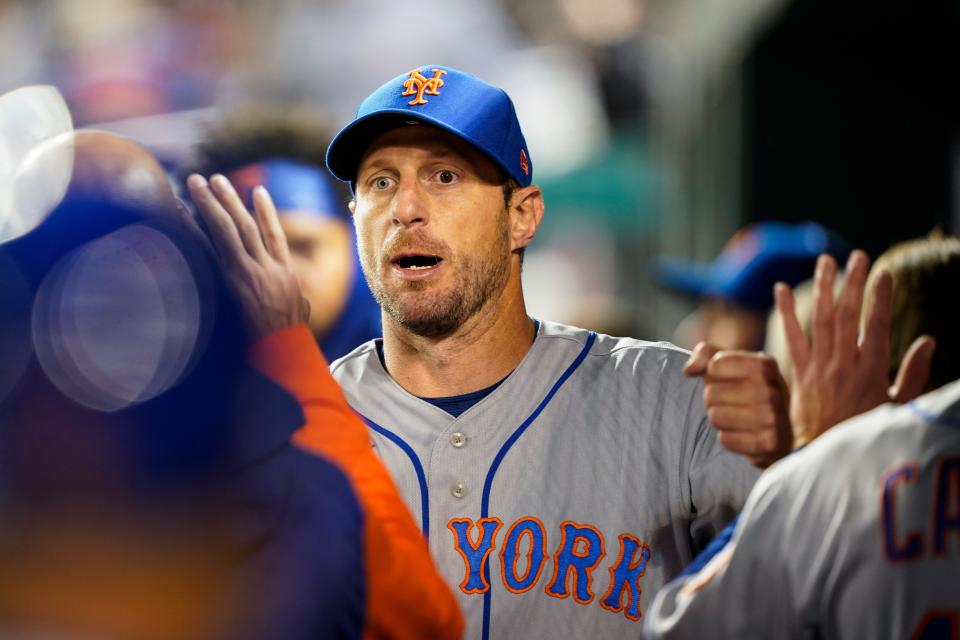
[(835, 375), (252, 252), (747, 401)]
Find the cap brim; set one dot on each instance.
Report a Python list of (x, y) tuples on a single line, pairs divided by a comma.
[(694, 278), (348, 147)]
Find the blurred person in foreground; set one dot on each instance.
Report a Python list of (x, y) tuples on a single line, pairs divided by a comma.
[(188, 511), (735, 291), (858, 534), (283, 150)]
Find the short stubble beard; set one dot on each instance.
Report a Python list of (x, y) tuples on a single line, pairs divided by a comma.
[(437, 314)]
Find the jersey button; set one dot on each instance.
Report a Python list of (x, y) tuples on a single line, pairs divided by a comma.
[(458, 490), (458, 439)]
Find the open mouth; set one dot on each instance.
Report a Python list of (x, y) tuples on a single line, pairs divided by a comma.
[(416, 266), (417, 262)]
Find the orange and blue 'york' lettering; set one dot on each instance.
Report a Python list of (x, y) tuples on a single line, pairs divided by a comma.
[(474, 553), (536, 554), (625, 575), (580, 551)]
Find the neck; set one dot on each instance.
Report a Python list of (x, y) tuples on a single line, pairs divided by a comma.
[(483, 350)]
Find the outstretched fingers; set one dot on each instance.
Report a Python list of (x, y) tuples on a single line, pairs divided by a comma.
[(823, 311), (797, 345), (223, 232), (274, 239), (246, 226), (847, 315)]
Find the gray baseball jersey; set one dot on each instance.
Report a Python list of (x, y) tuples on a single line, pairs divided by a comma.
[(559, 503), (856, 536)]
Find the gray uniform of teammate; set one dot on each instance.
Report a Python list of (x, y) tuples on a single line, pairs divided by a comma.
[(857, 536), (561, 502)]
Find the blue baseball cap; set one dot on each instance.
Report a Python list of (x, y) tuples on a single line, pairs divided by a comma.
[(451, 100), (293, 186), (753, 260)]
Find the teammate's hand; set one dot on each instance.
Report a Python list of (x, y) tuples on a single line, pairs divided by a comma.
[(747, 401), (252, 252), (835, 376)]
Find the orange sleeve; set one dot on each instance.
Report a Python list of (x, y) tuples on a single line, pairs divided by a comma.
[(406, 596)]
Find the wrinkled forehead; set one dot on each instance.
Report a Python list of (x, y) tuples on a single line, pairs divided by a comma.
[(434, 143)]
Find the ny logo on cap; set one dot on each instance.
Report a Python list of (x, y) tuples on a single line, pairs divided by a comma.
[(418, 85)]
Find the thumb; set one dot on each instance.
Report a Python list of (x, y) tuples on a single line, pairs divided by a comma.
[(699, 359), (914, 370)]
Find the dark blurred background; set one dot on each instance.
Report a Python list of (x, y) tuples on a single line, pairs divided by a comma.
[(656, 127)]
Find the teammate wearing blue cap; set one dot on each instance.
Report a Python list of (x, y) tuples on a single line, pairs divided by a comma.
[(736, 290), (560, 476), (283, 150)]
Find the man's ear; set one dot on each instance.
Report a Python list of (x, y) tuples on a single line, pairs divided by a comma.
[(352, 205), (526, 213)]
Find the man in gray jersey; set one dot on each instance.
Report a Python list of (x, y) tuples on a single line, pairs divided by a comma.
[(560, 476), (831, 548), (858, 535)]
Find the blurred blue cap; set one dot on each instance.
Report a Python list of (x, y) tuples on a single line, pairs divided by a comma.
[(293, 186), (754, 259), (452, 100)]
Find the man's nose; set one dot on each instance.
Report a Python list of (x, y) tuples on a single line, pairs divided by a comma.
[(410, 206)]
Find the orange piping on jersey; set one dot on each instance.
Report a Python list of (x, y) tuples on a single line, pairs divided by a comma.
[(644, 549), (503, 562), (406, 597), (949, 480), (573, 551)]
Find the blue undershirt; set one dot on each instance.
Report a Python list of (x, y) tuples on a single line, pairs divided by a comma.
[(456, 405)]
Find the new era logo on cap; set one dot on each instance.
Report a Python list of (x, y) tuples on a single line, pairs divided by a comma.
[(457, 102)]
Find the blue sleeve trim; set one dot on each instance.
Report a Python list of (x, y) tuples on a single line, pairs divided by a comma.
[(716, 545), (488, 483), (417, 467)]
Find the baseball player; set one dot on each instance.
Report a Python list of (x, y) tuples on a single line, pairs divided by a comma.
[(735, 291), (858, 535), (560, 476), (831, 548)]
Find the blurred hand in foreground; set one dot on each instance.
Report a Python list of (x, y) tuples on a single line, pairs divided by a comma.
[(252, 252)]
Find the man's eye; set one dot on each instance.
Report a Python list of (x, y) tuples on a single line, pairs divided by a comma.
[(381, 182), (446, 177)]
